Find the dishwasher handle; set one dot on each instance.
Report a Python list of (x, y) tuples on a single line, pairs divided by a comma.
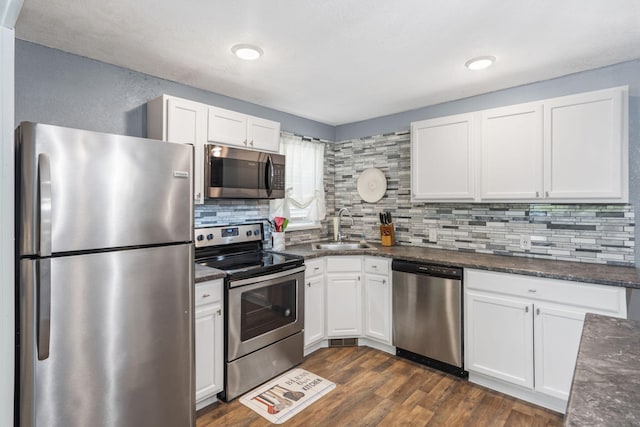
[(427, 269)]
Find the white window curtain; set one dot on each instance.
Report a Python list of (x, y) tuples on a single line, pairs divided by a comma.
[(304, 203)]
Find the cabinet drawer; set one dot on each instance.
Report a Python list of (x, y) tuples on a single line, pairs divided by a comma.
[(208, 292), (376, 265), (344, 263), (609, 299), (314, 267)]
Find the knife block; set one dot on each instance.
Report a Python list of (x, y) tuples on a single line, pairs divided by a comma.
[(387, 235)]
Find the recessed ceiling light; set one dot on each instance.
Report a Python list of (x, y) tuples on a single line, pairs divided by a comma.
[(248, 52), (480, 63)]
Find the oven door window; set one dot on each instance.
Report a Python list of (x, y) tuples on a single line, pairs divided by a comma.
[(267, 309)]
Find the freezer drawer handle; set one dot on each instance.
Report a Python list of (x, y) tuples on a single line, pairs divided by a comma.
[(44, 308), (44, 192)]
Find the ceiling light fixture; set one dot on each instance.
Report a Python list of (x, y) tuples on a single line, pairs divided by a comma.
[(247, 52), (480, 63)]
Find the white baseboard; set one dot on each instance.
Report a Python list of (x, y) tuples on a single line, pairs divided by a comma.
[(361, 343), (387, 348), (206, 402), (530, 396), (316, 346)]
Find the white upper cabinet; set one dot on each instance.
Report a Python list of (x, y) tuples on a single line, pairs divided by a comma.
[(586, 146), (263, 134), (511, 148), (571, 149), (443, 158), (179, 120), (232, 128), (227, 127)]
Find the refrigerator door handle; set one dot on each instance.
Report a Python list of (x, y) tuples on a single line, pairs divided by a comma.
[(44, 308), (44, 207)]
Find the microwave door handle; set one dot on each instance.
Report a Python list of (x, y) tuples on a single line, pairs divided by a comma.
[(44, 205), (269, 174)]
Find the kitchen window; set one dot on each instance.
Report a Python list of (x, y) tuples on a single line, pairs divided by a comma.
[(304, 202)]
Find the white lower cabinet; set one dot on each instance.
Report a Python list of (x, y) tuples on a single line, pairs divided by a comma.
[(377, 299), (209, 341), (344, 296), (500, 340), (522, 333), (344, 305), (314, 302), (556, 343), (348, 297)]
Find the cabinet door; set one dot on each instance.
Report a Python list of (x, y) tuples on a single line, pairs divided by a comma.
[(263, 134), (209, 351), (314, 309), (227, 127), (344, 305), (512, 166), (557, 338), (499, 337), (586, 147), (442, 158), (186, 124), (377, 307)]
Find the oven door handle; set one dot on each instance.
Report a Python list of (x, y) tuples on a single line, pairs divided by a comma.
[(258, 279)]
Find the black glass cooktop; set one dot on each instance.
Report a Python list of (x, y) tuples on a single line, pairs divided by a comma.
[(252, 263)]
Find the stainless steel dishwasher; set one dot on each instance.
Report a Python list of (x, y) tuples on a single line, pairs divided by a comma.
[(427, 315)]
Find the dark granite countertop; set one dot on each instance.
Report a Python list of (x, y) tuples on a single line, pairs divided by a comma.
[(606, 382), (565, 270), (202, 273)]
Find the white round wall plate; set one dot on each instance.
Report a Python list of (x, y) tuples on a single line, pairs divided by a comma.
[(372, 185)]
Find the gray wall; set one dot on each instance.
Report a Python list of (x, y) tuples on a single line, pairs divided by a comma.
[(626, 73), (59, 88)]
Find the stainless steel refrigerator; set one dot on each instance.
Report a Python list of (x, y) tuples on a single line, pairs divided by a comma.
[(104, 280)]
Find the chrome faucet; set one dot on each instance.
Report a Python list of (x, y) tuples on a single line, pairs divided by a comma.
[(340, 212)]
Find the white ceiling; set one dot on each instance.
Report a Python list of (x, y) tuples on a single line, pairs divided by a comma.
[(341, 61)]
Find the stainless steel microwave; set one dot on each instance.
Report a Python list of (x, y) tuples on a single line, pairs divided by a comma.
[(234, 173)]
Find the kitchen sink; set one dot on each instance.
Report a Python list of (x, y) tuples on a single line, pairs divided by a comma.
[(340, 246)]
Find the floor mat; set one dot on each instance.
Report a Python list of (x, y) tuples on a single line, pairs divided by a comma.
[(285, 396)]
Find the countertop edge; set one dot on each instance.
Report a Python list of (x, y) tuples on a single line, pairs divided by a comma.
[(204, 274), (600, 274), (606, 378)]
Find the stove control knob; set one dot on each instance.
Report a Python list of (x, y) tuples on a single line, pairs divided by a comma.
[(257, 232), (200, 237), (209, 236), (248, 233)]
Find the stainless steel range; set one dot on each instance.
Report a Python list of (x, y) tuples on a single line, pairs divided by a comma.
[(264, 301)]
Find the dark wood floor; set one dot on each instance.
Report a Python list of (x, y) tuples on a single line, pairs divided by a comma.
[(374, 388)]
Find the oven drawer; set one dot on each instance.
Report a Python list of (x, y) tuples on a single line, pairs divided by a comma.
[(208, 292)]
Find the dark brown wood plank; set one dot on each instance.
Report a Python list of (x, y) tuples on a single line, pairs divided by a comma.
[(374, 388)]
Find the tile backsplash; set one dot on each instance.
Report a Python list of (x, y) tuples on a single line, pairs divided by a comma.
[(592, 233), (574, 232)]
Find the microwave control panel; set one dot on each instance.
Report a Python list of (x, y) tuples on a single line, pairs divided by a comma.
[(278, 177)]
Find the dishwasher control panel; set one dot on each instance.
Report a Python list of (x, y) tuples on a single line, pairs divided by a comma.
[(429, 269)]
